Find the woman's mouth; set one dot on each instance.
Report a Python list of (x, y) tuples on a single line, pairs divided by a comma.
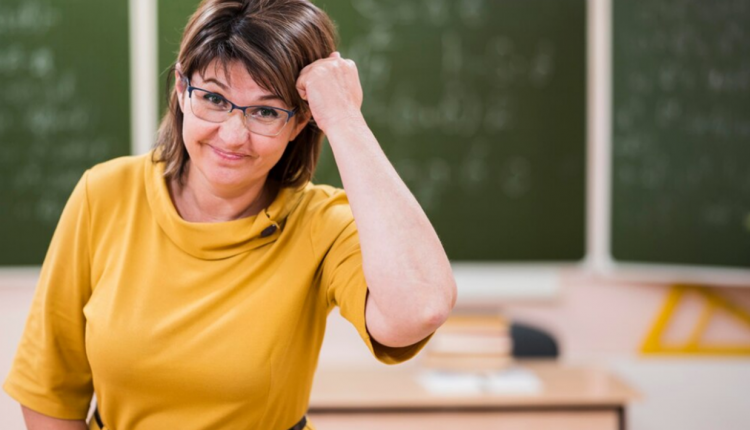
[(228, 155)]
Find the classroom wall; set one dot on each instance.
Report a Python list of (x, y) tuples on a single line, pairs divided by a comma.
[(595, 320), (591, 317), (594, 316)]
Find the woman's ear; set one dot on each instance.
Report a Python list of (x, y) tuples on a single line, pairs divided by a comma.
[(299, 125), (179, 84)]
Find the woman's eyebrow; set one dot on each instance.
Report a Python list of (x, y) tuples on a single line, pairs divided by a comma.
[(269, 97), (264, 97), (222, 86)]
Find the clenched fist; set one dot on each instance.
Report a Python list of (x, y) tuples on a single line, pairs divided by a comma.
[(332, 89)]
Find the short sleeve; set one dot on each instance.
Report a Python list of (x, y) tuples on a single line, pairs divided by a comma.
[(50, 373), (344, 282)]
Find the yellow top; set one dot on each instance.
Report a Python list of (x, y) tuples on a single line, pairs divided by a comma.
[(180, 325)]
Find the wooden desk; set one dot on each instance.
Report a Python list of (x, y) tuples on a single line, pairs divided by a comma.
[(572, 397)]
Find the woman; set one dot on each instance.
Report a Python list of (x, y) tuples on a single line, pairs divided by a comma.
[(189, 288)]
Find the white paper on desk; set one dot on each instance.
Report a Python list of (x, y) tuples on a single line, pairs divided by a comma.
[(515, 380), (453, 383)]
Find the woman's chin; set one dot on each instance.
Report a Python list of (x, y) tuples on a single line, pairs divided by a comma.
[(229, 180), (226, 174)]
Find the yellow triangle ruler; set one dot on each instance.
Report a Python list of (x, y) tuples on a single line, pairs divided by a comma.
[(712, 302)]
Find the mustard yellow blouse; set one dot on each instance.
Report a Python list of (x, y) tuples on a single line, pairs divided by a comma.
[(180, 325)]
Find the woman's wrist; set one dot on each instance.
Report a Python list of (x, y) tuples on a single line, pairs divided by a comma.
[(346, 127)]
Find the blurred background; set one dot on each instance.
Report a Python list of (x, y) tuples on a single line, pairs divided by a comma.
[(586, 164)]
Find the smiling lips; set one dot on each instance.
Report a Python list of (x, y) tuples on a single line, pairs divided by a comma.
[(232, 156)]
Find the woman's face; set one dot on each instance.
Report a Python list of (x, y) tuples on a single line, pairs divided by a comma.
[(227, 155)]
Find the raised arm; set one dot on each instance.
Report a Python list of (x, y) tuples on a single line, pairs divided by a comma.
[(410, 282)]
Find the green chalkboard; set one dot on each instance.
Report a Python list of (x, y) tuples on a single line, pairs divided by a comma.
[(681, 133), (64, 106), (481, 107)]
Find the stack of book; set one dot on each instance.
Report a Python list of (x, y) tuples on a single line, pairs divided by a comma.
[(470, 343)]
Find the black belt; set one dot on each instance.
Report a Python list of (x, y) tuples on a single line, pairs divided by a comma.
[(98, 418), (299, 426)]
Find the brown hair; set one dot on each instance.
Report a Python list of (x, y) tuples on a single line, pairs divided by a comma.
[(275, 40)]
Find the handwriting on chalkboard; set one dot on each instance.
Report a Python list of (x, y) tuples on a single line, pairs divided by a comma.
[(474, 100), (50, 127), (28, 18), (679, 122), (681, 130)]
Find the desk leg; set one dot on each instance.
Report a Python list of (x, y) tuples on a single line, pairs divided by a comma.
[(621, 417)]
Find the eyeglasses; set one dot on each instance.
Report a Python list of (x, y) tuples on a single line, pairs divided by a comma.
[(212, 107)]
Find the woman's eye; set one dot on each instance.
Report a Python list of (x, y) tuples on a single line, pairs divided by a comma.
[(266, 113), (214, 99)]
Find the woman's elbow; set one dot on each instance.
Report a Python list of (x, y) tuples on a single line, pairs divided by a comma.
[(438, 311), (434, 318)]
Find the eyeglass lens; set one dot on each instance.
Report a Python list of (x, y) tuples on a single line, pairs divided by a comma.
[(264, 120)]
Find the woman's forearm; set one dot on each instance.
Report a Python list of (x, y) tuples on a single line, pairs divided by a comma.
[(409, 277), (411, 286), (36, 421)]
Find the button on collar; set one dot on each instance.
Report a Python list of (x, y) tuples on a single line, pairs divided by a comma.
[(271, 229)]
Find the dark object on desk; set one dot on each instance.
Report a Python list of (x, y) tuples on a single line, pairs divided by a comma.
[(531, 342)]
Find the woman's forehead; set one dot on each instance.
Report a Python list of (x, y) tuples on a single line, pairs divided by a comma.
[(233, 77)]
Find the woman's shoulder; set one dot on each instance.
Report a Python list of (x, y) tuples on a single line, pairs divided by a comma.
[(324, 198), (118, 170), (113, 180), (325, 205)]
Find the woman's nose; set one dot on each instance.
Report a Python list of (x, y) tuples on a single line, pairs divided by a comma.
[(233, 131)]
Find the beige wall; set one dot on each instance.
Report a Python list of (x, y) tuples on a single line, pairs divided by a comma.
[(594, 316), (591, 318)]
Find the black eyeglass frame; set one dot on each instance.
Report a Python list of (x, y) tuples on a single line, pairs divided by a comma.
[(290, 113)]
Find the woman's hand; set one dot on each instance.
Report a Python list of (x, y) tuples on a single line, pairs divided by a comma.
[(332, 89)]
